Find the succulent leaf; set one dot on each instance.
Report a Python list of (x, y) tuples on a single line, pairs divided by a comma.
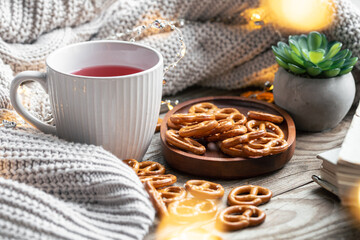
[(333, 50), (348, 55), (338, 63), (345, 70), (314, 40), (281, 63), (297, 59), (313, 71), (296, 69), (294, 46), (317, 56), (340, 55), (350, 62), (324, 42), (303, 42), (280, 54), (332, 72), (325, 64)]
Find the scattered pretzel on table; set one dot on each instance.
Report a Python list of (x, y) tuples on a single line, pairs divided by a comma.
[(150, 168), (158, 125), (156, 200), (132, 163), (172, 193), (192, 209), (239, 217), (204, 189), (159, 181), (249, 195)]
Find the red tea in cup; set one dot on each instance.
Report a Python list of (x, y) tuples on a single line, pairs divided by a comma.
[(107, 71)]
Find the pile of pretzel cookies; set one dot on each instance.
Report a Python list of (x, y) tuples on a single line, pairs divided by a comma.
[(237, 135), (173, 202)]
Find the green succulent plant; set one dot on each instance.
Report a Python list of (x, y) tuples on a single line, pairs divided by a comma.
[(313, 56)]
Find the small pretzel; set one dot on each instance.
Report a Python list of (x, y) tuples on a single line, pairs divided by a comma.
[(262, 116), (204, 107), (223, 113), (181, 118), (255, 125), (235, 151), (158, 125), (188, 144), (159, 181), (172, 193), (198, 130), (249, 195), (132, 163), (278, 146), (235, 131), (156, 200), (173, 125), (238, 217), (150, 168), (192, 209), (204, 189), (230, 142), (238, 118), (224, 125)]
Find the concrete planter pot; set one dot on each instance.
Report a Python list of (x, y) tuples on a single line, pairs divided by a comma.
[(314, 104)]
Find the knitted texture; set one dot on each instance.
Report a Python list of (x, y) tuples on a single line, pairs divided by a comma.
[(52, 189), (62, 190)]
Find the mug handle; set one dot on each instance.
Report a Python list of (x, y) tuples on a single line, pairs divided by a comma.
[(24, 77)]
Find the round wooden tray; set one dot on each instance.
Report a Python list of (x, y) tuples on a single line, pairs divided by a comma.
[(218, 165)]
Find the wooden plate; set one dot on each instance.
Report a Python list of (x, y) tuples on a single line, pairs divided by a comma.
[(218, 165)]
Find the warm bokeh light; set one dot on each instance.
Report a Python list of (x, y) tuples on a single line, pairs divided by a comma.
[(300, 15)]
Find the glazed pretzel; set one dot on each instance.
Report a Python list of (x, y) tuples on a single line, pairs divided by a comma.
[(192, 209), (158, 125), (259, 147), (223, 126), (235, 151), (278, 146), (198, 130), (239, 217), (245, 138), (182, 118), (223, 113), (188, 144), (249, 195), (172, 193), (238, 118), (156, 200), (150, 168), (159, 181), (262, 116), (204, 107), (204, 189), (235, 131), (272, 129), (132, 163)]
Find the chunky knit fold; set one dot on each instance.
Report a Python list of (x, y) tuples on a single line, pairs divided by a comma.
[(53, 189)]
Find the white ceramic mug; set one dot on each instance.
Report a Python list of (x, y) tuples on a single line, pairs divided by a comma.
[(119, 113)]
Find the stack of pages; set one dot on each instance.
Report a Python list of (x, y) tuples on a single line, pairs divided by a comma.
[(341, 167)]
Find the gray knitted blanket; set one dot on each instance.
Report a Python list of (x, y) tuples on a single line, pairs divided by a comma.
[(53, 189)]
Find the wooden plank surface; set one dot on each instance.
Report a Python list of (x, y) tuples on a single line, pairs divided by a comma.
[(299, 209)]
